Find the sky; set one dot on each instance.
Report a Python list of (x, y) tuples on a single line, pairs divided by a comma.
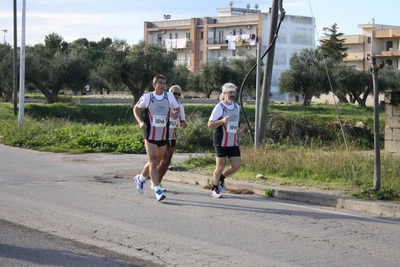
[(124, 19)]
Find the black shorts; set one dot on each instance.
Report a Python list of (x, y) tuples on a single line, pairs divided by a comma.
[(158, 142), (172, 143), (227, 151)]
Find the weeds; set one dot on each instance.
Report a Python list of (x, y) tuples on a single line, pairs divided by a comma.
[(304, 147)]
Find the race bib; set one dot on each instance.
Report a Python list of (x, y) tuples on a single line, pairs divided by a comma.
[(159, 121), (173, 123), (232, 126)]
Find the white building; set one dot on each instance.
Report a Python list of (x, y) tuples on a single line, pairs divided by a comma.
[(233, 33)]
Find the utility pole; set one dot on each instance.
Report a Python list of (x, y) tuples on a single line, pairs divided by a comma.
[(266, 85), (15, 65), (377, 165)]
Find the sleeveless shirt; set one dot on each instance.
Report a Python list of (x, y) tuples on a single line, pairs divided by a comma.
[(226, 134), (157, 118)]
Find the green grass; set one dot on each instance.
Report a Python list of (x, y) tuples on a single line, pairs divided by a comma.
[(314, 155)]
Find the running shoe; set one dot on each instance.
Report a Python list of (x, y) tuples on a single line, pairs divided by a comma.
[(159, 195), (139, 184), (215, 193), (221, 187)]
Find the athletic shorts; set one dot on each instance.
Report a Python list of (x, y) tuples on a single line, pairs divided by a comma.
[(172, 143), (158, 143), (227, 151)]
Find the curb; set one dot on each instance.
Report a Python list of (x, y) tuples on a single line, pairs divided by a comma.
[(371, 207)]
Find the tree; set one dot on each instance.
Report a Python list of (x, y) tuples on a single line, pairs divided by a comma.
[(306, 76), (136, 65), (240, 68), (389, 79), (355, 83), (332, 47), (180, 76), (213, 75), (50, 73), (6, 72), (55, 43)]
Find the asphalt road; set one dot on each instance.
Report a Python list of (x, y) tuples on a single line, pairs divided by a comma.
[(91, 199), (21, 246)]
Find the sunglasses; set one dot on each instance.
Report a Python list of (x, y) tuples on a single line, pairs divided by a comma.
[(177, 94)]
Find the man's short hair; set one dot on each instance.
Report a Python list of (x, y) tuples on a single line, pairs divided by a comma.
[(159, 76)]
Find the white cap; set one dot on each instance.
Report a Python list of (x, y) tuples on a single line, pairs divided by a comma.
[(228, 87)]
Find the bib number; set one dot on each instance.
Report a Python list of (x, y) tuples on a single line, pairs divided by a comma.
[(173, 123), (159, 121), (232, 126)]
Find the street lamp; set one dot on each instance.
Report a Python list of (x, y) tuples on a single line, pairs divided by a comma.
[(167, 17), (5, 31)]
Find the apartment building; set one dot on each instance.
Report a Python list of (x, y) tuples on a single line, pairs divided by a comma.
[(380, 40), (234, 33)]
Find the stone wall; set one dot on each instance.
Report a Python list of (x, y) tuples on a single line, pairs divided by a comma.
[(392, 123)]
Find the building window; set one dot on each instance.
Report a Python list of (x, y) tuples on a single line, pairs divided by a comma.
[(201, 35), (389, 44), (188, 35), (176, 35), (170, 36), (389, 62), (368, 40)]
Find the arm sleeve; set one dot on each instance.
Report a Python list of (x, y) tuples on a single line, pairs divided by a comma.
[(172, 101), (182, 115)]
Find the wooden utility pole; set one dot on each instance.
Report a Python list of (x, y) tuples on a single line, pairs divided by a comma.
[(266, 85), (377, 143)]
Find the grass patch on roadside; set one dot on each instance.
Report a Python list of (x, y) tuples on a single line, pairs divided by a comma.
[(305, 146)]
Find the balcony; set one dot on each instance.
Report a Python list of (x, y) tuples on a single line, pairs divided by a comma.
[(389, 33), (391, 53), (354, 56), (218, 40), (351, 39)]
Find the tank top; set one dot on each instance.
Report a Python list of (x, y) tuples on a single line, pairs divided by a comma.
[(156, 116), (173, 124), (226, 134)]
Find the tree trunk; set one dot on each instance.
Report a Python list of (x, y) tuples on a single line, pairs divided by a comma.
[(307, 99), (208, 94), (136, 93), (51, 97), (342, 99), (358, 99)]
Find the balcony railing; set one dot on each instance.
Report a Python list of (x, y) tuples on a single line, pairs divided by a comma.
[(219, 40)]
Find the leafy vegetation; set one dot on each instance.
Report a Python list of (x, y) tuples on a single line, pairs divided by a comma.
[(317, 158)]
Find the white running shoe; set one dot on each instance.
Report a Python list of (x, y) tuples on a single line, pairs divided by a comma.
[(159, 195), (215, 193), (139, 184)]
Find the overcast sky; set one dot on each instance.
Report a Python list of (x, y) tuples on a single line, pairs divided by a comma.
[(123, 19)]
